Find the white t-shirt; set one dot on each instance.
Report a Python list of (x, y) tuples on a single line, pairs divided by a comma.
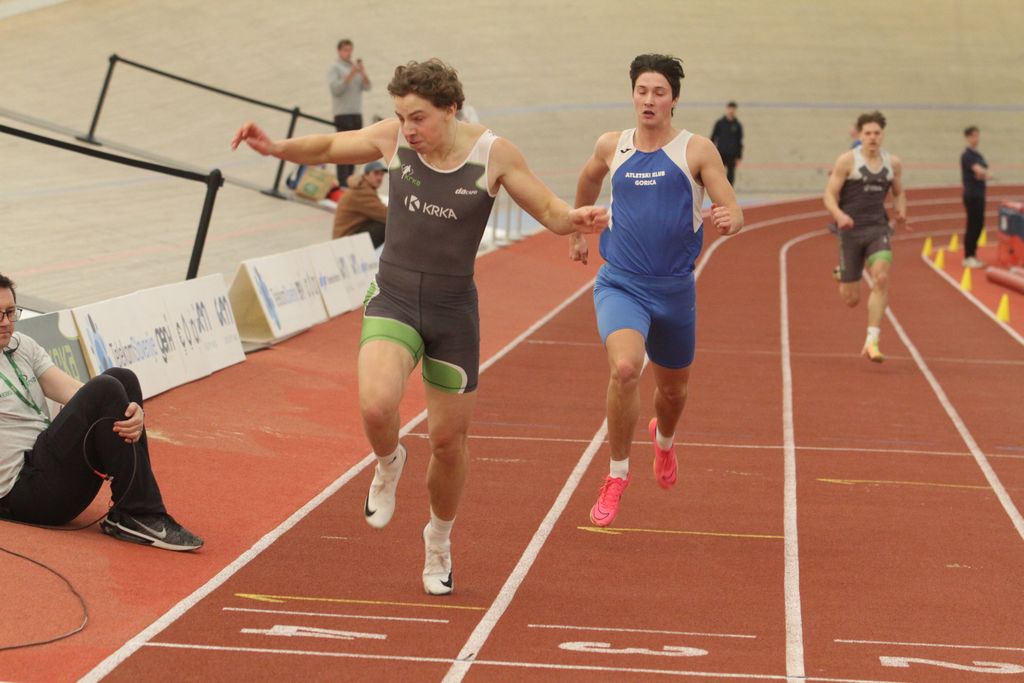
[(20, 423)]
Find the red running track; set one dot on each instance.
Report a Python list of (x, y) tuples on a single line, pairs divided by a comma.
[(834, 519)]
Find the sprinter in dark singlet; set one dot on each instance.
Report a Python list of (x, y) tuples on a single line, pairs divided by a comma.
[(861, 180), (444, 175)]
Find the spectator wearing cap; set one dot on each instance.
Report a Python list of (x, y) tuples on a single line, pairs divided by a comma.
[(728, 138), (360, 208)]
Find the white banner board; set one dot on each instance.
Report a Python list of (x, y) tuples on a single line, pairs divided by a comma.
[(274, 297)]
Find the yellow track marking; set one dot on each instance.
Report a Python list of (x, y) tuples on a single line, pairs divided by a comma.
[(347, 601)]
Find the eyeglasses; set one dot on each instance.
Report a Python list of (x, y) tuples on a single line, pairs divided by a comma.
[(12, 314)]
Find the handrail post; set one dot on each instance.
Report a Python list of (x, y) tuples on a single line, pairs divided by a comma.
[(99, 105), (274, 191), (213, 183)]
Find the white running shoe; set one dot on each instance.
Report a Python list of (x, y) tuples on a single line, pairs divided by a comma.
[(974, 262), (437, 569), (380, 501)]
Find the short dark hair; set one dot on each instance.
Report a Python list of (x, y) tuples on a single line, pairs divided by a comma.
[(8, 283), (871, 117), (668, 66), (970, 130), (433, 80), (343, 42), (731, 104)]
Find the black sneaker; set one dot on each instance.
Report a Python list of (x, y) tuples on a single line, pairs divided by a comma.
[(159, 531)]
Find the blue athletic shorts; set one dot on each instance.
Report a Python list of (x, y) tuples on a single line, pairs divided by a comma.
[(662, 309)]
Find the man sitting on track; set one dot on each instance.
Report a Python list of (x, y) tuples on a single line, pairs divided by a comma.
[(51, 470), (855, 196), (445, 174), (644, 295)]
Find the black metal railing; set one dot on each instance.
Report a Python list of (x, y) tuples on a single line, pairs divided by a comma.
[(294, 112), (213, 181)]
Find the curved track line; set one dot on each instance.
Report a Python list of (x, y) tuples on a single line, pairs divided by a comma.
[(172, 615), (794, 616)]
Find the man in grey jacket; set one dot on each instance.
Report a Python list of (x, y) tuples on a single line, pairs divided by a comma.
[(347, 80)]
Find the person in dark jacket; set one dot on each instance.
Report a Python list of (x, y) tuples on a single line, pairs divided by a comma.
[(360, 208), (728, 138), (975, 173)]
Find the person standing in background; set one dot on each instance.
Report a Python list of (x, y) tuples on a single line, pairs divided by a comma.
[(728, 138), (347, 80), (975, 173)]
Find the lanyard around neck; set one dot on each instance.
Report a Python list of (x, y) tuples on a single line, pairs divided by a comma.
[(27, 397)]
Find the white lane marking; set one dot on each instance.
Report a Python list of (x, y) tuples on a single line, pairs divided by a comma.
[(490, 619), (332, 615), (290, 631), (965, 434), (176, 612), (791, 579), (974, 300), (941, 645), (513, 665), (567, 627), (607, 649)]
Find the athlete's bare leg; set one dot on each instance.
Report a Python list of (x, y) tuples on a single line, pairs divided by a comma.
[(879, 297), (448, 419), (384, 368), (669, 396), (626, 362)]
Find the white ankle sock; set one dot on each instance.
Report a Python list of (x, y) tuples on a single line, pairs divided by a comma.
[(873, 333), (664, 442), (619, 468), (440, 530), (389, 459)]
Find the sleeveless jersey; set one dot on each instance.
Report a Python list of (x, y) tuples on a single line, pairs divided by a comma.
[(656, 225), (863, 193), (436, 218)]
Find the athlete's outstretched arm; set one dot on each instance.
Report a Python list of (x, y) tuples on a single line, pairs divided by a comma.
[(703, 157), (527, 190), (348, 147)]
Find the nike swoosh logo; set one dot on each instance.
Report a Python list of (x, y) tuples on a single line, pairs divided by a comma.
[(626, 150), (366, 508), (162, 534), (448, 583)]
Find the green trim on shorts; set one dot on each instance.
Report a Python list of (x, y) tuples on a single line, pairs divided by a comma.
[(444, 375), (885, 255), (392, 330)]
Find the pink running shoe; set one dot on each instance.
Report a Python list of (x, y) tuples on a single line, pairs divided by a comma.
[(665, 465), (607, 505)]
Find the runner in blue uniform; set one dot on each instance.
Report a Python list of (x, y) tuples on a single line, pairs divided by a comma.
[(444, 175), (644, 295)]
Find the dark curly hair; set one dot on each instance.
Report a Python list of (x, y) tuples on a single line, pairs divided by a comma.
[(871, 117), (668, 66), (433, 80)]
